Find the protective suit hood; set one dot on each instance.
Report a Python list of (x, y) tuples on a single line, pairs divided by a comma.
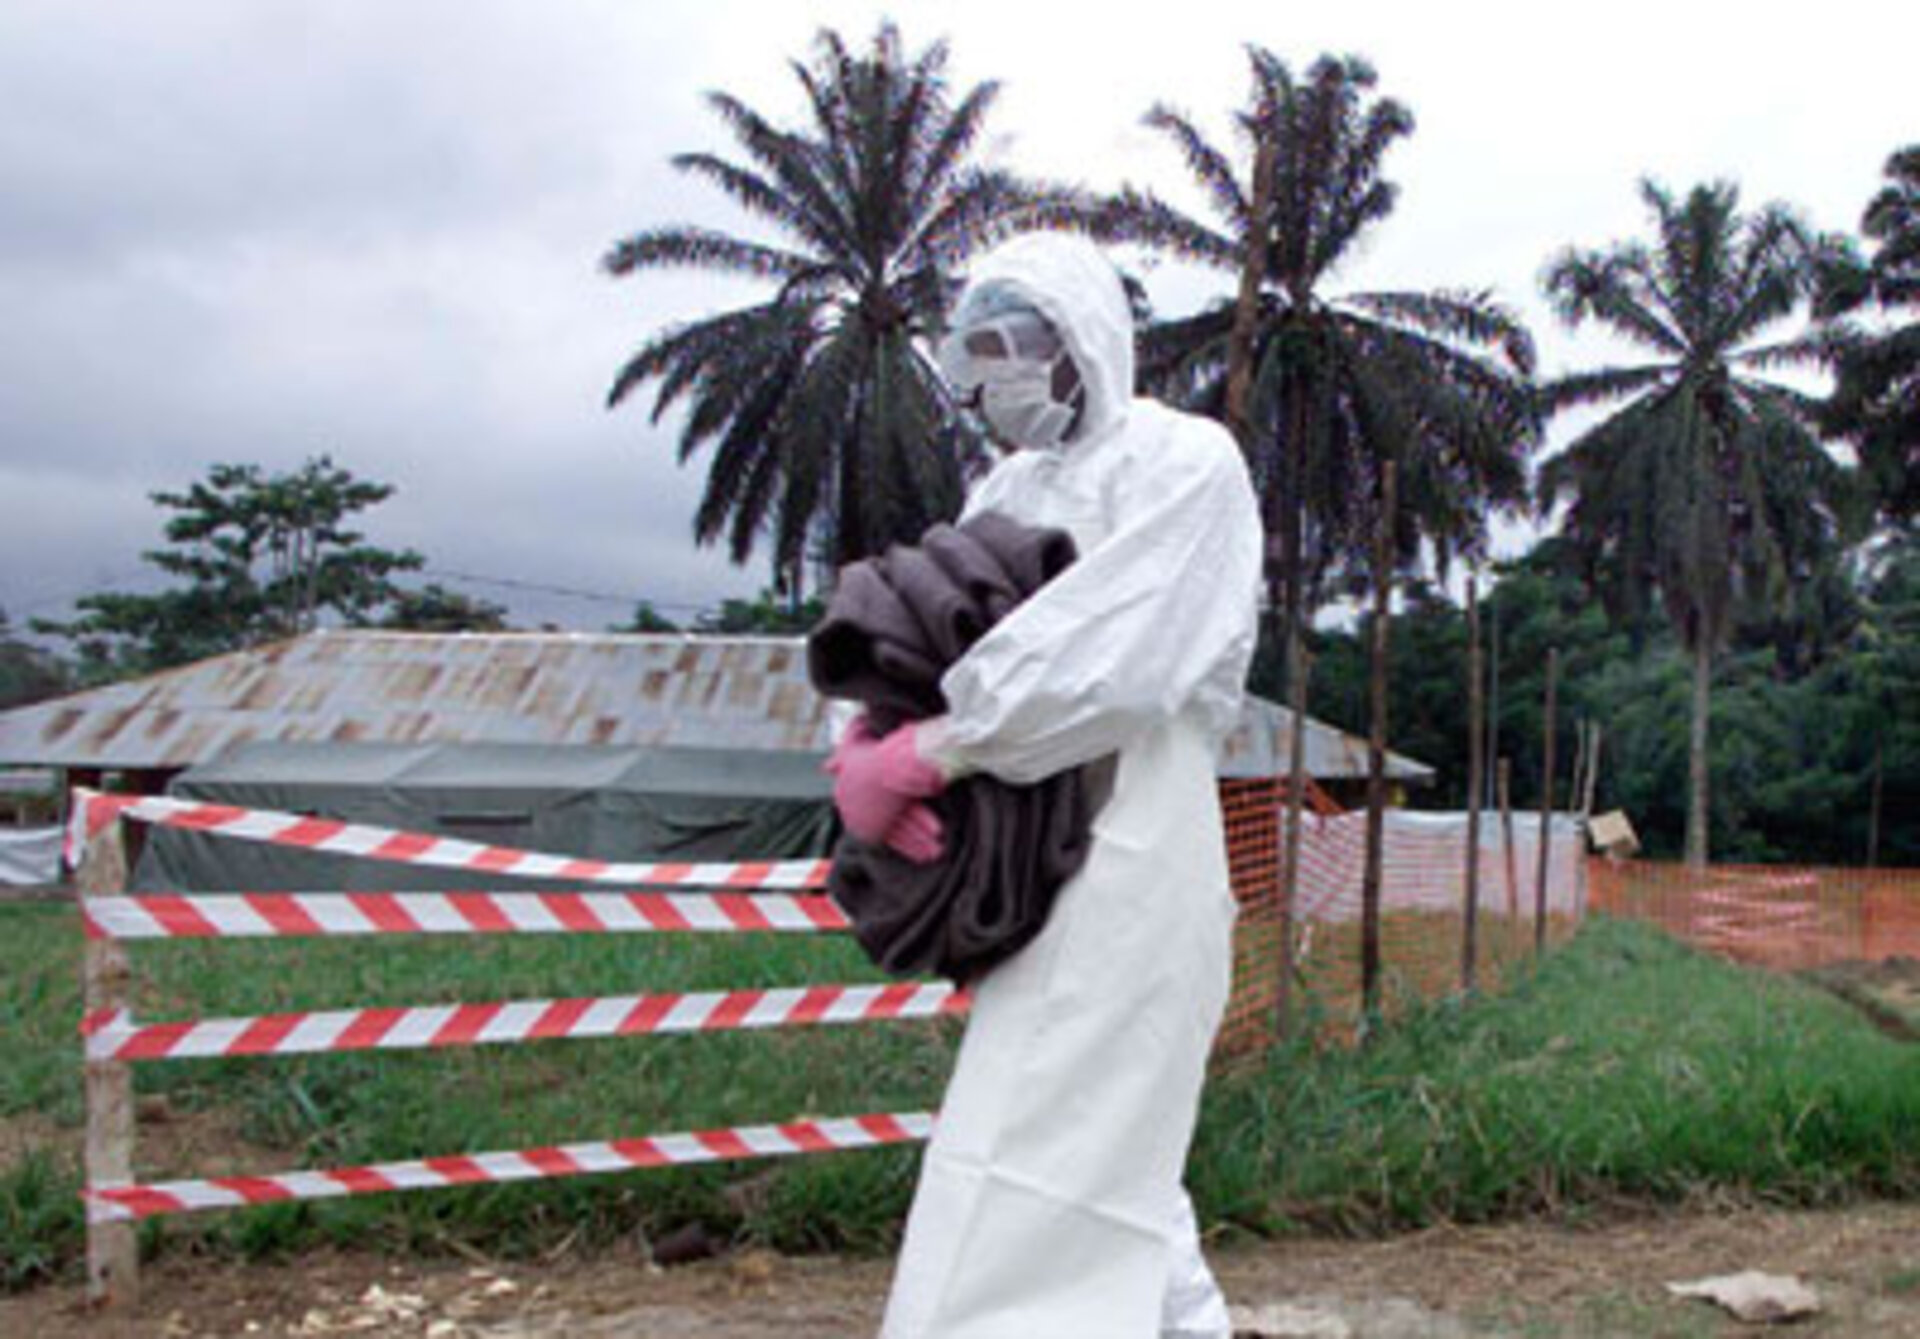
[(1076, 288)]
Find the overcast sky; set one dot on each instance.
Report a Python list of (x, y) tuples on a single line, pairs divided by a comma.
[(258, 230)]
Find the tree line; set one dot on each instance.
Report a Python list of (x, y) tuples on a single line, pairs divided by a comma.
[(1703, 513), (1709, 556), (257, 557)]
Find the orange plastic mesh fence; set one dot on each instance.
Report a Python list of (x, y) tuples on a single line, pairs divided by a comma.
[(1422, 916), (1776, 916)]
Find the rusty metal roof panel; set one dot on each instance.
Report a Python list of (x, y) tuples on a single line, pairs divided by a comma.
[(419, 688), (534, 688)]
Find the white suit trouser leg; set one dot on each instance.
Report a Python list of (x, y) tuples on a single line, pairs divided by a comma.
[(1193, 1307), (1050, 1204)]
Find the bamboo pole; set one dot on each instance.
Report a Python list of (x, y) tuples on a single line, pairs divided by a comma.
[(1373, 872), (1578, 781), (1593, 773), (1476, 765), (1493, 691), (113, 1262), (1296, 814), (1585, 860), (1505, 771), (1546, 803)]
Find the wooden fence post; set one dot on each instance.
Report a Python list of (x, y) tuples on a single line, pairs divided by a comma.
[(1504, 772), (1297, 783), (1476, 766), (113, 1262), (1546, 807)]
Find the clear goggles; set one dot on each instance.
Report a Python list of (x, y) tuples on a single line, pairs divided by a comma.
[(994, 331)]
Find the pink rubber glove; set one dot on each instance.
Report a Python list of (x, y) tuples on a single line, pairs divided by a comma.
[(877, 786)]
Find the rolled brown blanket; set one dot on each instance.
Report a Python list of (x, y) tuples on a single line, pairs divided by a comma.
[(894, 625)]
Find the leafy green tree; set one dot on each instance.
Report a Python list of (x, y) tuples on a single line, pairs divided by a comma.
[(1876, 398), (27, 673), (1885, 664), (1436, 381), (260, 557), (647, 619), (769, 614), (1708, 488), (434, 608), (826, 421)]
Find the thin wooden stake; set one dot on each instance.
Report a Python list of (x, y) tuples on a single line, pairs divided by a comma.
[(1296, 813), (1505, 771), (1373, 870), (113, 1262), (1476, 766), (1546, 804), (1593, 773), (1579, 779)]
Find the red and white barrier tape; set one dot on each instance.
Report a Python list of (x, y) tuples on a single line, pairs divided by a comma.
[(93, 811), (114, 1036), (294, 915), (111, 1203)]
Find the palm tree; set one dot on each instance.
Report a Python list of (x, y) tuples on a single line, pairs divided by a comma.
[(1876, 398), (826, 420), (1708, 487), (1340, 383), (1435, 385)]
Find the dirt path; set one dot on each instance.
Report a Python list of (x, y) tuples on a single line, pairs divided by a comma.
[(1519, 1279)]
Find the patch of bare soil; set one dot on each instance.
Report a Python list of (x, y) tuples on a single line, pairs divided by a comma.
[(1512, 1279), (1888, 992)]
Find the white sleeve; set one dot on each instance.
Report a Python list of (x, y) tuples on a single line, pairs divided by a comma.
[(1158, 617)]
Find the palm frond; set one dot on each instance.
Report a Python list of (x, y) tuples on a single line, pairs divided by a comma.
[(1208, 165), (1602, 386), (1464, 316), (1140, 217), (702, 248), (1817, 348), (955, 137), (1610, 288)]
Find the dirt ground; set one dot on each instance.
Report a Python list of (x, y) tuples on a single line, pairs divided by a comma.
[(1515, 1279), (1887, 992)]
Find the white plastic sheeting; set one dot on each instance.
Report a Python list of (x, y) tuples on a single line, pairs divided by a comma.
[(29, 856), (1425, 864)]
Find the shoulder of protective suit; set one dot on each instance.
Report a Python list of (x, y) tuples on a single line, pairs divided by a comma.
[(1180, 439)]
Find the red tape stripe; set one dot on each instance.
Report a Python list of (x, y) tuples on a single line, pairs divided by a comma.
[(284, 914), (384, 912), (803, 1136), (458, 1169), (309, 832), (360, 1180), (572, 911), (467, 1022), (481, 912), (178, 916), (254, 1189)]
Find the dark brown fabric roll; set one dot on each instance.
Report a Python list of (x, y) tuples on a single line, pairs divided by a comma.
[(894, 625)]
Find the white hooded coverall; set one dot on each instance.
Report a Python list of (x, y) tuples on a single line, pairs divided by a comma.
[(1050, 1203)]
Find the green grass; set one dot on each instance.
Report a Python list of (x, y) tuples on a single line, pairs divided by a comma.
[(1627, 1066), (346, 1109)]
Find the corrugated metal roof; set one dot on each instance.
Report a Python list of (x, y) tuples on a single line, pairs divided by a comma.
[(504, 688)]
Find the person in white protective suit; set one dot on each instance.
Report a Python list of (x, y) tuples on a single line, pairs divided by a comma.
[(1050, 1203)]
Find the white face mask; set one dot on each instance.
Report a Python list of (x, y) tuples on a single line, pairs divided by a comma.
[(1020, 409), (1011, 367)]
